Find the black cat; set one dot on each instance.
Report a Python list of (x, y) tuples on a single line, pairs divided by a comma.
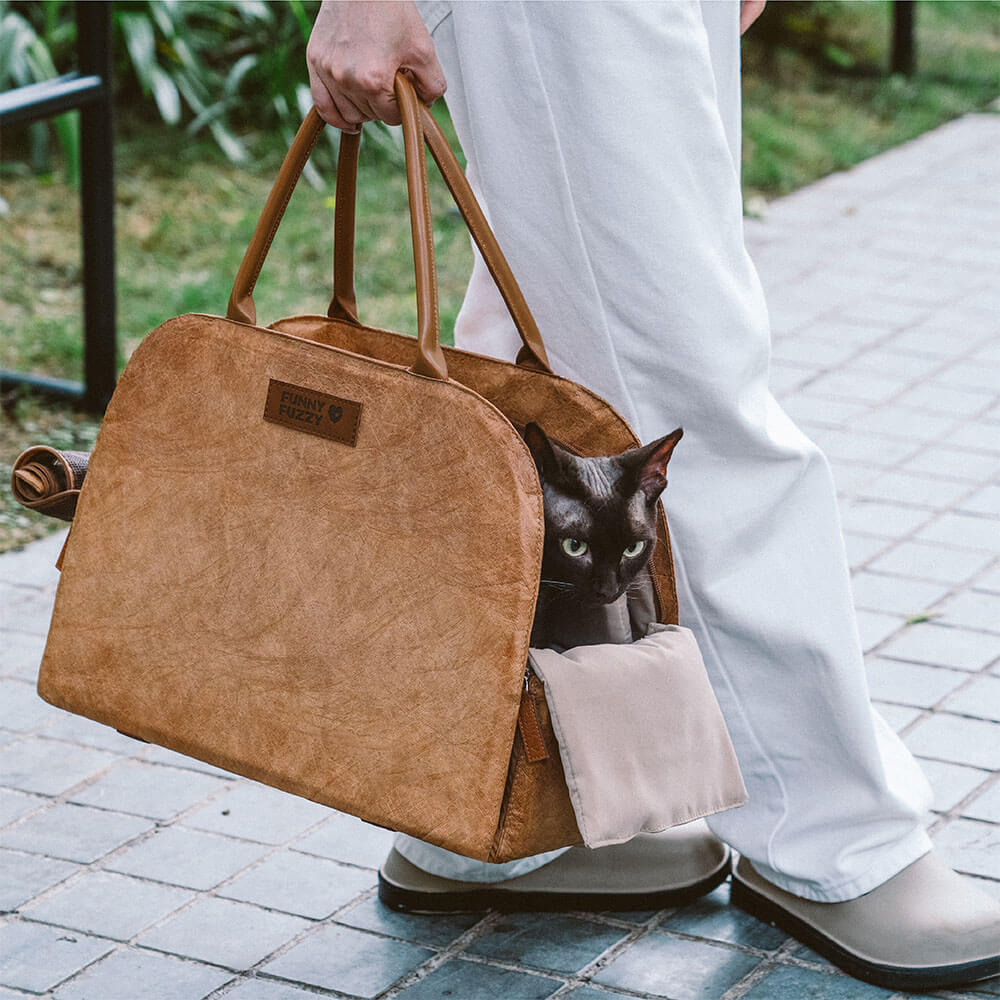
[(600, 518)]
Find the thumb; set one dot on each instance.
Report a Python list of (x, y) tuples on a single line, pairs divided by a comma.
[(428, 80)]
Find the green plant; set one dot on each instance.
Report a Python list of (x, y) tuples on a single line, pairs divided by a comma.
[(234, 69), (25, 58)]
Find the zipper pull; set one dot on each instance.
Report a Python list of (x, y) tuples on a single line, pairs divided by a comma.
[(529, 726)]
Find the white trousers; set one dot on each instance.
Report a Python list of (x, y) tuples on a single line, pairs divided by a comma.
[(604, 142)]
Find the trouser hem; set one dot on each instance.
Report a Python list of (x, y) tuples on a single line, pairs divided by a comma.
[(908, 850)]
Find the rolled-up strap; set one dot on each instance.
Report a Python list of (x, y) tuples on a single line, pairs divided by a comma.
[(48, 481)]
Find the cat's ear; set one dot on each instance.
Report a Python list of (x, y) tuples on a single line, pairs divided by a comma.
[(541, 450), (652, 472)]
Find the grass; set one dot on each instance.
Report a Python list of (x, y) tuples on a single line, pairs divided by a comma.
[(815, 100)]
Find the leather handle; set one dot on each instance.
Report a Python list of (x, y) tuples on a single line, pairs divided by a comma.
[(343, 305), (532, 353), (430, 359), (419, 127)]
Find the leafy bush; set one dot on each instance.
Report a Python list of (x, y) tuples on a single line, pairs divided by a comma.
[(233, 68)]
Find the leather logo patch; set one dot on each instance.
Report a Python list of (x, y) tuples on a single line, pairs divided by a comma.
[(313, 412)]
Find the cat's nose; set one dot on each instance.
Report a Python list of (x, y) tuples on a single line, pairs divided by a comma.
[(607, 593)]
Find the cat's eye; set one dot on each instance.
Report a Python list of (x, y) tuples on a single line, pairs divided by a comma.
[(574, 547), (634, 549)]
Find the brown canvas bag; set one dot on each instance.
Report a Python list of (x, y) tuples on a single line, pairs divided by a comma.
[(310, 553)]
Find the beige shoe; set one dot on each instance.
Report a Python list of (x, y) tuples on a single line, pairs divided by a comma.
[(647, 873), (925, 928)]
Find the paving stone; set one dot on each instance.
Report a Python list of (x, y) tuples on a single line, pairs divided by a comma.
[(592, 993), (963, 530), (186, 858), (989, 582), (966, 466), (26, 610), (914, 489), (970, 375), (714, 918), (74, 833), (951, 782), (958, 740), (848, 477), (977, 436), (433, 930), (985, 806), (267, 989), (118, 976), (868, 449), (908, 424), (35, 564), (864, 387), (49, 767), (148, 789), (812, 352), (790, 982), (346, 838), (973, 610), (551, 942), (350, 961), (13, 805), (862, 548), (224, 932), (931, 562), (816, 411), (874, 592), (22, 653), (20, 707), (874, 628), (256, 812), (987, 500), (36, 958), (471, 981), (161, 755), (970, 846), (910, 683), (939, 645), (677, 968), (897, 716), (300, 884), (77, 729), (981, 699), (885, 520), (24, 876), (109, 905)]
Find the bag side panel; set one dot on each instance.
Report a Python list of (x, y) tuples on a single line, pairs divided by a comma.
[(347, 623), (567, 410), (538, 815)]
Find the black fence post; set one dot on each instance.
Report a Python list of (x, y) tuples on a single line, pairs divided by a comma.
[(903, 59), (97, 200), (88, 89)]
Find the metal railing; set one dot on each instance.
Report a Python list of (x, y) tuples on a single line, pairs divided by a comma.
[(88, 90)]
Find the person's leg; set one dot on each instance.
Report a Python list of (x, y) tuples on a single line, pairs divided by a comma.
[(603, 139), (603, 142)]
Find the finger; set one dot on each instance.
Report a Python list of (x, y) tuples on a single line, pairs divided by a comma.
[(750, 10), (427, 79), (352, 110), (326, 106)]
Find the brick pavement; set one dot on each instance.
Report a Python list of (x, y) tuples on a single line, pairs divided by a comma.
[(131, 872)]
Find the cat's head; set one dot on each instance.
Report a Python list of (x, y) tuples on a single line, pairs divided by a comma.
[(600, 513)]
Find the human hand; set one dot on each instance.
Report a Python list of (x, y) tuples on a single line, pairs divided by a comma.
[(749, 12), (354, 52)]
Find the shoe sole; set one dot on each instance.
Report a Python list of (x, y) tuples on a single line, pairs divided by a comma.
[(891, 977), (509, 901)]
